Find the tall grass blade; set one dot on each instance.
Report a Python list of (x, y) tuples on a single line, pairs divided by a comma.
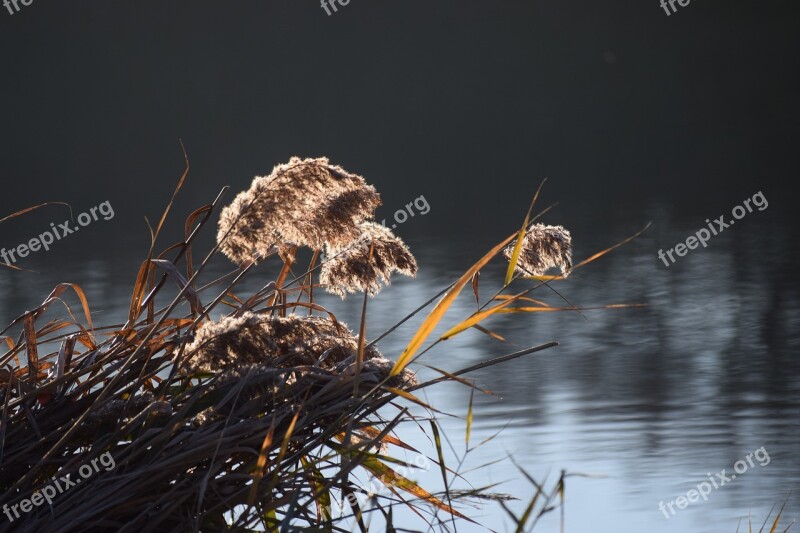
[(261, 465), (440, 454), (469, 416), (31, 349), (512, 263), (32, 208), (322, 496), (441, 308), (392, 479), (478, 317)]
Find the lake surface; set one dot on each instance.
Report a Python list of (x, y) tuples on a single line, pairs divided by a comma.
[(645, 402)]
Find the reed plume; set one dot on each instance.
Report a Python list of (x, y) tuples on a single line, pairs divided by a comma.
[(236, 343), (305, 202), (543, 247), (362, 265), (237, 348)]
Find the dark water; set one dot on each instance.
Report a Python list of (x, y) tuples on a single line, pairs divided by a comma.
[(645, 402)]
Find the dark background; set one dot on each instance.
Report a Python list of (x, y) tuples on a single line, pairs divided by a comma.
[(468, 103)]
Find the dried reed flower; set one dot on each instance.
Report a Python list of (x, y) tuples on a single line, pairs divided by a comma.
[(236, 343), (352, 269), (543, 247), (305, 202), (243, 235)]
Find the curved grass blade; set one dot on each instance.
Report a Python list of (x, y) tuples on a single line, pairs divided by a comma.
[(512, 263), (394, 480), (469, 416), (438, 442), (479, 317), (190, 294), (33, 208), (437, 313), (322, 496), (31, 348)]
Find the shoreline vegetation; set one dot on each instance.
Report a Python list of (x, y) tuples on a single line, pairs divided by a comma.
[(276, 415)]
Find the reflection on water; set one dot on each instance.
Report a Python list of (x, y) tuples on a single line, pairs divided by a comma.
[(647, 401)]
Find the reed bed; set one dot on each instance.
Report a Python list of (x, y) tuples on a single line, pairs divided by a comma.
[(270, 416)]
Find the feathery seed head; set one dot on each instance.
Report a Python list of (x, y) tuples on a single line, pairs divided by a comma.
[(352, 268), (306, 202), (543, 247), (242, 234), (251, 339)]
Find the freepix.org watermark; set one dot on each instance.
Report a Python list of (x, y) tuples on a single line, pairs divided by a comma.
[(329, 5), (714, 228), (718, 480), (16, 4), (667, 4), (419, 205), (56, 233), (58, 486)]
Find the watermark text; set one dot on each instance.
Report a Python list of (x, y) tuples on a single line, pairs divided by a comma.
[(56, 233), (717, 481), (714, 228), (58, 486)]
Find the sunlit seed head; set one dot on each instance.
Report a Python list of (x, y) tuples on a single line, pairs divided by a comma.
[(238, 342), (364, 264), (305, 202), (543, 247), (243, 235)]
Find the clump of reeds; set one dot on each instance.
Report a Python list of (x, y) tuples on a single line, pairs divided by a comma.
[(259, 419)]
